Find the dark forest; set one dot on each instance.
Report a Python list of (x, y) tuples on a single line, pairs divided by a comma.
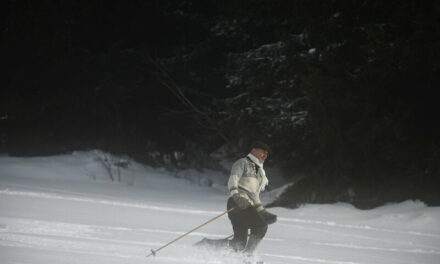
[(346, 93)]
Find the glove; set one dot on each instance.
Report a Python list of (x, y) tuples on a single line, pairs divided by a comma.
[(267, 217), (240, 201)]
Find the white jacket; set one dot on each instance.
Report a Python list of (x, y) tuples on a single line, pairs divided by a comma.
[(248, 178)]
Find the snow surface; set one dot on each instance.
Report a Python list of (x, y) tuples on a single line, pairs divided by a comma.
[(65, 209)]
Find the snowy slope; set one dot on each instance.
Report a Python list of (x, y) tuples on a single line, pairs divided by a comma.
[(64, 209)]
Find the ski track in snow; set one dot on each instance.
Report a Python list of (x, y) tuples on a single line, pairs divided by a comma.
[(83, 239), (353, 246), (315, 260), (429, 249), (138, 205), (81, 231), (365, 227), (50, 236), (48, 244)]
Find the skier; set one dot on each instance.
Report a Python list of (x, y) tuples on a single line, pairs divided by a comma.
[(246, 181)]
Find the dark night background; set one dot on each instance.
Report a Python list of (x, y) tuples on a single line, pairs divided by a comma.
[(345, 92)]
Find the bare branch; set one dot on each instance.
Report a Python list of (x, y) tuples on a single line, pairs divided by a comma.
[(168, 82)]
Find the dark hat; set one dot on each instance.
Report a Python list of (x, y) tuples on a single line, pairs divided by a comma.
[(261, 145)]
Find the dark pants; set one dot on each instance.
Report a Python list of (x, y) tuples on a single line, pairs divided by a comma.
[(242, 221)]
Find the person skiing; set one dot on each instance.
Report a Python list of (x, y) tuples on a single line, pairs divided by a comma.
[(246, 181)]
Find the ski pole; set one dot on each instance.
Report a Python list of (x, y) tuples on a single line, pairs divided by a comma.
[(228, 237), (153, 252)]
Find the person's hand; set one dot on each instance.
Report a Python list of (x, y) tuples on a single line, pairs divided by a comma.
[(268, 217), (240, 201)]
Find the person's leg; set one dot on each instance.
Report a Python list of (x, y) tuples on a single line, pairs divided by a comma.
[(255, 239), (238, 243), (239, 225), (258, 231)]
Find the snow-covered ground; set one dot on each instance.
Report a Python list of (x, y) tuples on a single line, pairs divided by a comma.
[(64, 209)]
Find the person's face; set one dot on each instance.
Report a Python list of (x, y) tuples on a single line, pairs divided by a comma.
[(261, 154)]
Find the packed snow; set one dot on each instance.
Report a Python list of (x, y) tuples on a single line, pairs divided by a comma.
[(66, 209)]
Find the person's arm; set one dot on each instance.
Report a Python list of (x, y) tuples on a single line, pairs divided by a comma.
[(258, 206), (265, 215), (236, 173)]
